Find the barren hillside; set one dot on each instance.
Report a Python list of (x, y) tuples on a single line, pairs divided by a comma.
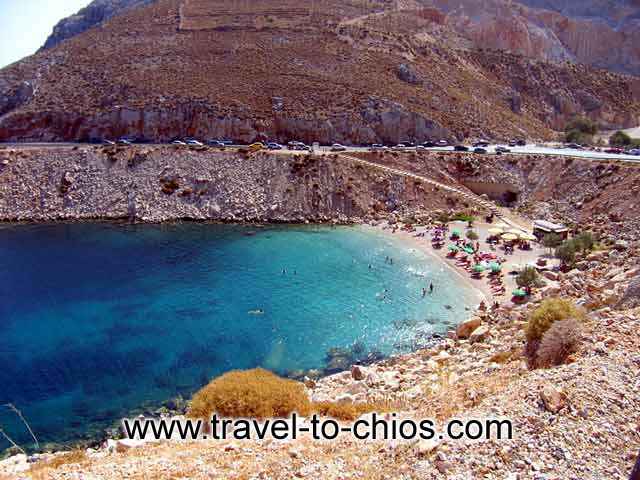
[(329, 71)]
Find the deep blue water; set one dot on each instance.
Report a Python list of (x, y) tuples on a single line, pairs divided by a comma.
[(97, 320)]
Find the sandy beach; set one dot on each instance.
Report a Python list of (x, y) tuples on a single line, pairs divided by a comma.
[(512, 262)]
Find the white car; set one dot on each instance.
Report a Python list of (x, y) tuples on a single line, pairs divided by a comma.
[(178, 142), (399, 147), (442, 143), (336, 147), (420, 148), (194, 143), (634, 151)]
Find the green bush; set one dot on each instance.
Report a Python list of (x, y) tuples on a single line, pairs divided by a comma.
[(549, 312), (581, 138), (619, 139), (471, 235), (584, 242), (552, 240), (582, 125), (528, 278)]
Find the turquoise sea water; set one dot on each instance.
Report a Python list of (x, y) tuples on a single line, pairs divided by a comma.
[(97, 320)]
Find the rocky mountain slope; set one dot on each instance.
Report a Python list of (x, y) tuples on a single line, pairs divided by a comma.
[(601, 33), (93, 14), (328, 71)]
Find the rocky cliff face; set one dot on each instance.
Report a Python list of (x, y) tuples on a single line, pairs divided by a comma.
[(95, 13), (601, 33), (163, 184)]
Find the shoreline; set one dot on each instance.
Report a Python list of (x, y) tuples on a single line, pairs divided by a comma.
[(481, 290)]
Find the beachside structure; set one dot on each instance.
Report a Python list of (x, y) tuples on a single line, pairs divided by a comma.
[(542, 228)]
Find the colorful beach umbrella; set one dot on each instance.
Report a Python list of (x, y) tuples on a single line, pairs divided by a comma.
[(454, 248), (515, 231), (509, 237), (478, 268), (495, 267), (528, 236), (496, 231), (519, 293)]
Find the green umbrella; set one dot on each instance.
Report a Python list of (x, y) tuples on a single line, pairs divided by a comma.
[(478, 268), (454, 248), (519, 293), (495, 267), (455, 233), (469, 250)]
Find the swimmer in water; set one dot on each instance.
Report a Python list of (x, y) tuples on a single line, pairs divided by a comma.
[(259, 311)]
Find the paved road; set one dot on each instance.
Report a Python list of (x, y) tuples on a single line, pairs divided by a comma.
[(526, 150)]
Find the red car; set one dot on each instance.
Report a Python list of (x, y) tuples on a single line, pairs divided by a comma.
[(614, 150)]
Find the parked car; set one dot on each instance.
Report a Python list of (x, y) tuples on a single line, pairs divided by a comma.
[(420, 147), (521, 143), (461, 148), (429, 144), (634, 151), (194, 143), (479, 150), (178, 142), (124, 141), (408, 144), (336, 147), (614, 150), (274, 146), (442, 143), (575, 146), (399, 146), (108, 142), (513, 143), (481, 143), (501, 149), (377, 146), (215, 143)]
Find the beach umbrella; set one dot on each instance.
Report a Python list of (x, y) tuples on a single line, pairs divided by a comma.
[(519, 293), (454, 248), (469, 250), (478, 268), (496, 231), (509, 237), (495, 267), (528, 236), (455, 233), (502, 225), (515, 231)]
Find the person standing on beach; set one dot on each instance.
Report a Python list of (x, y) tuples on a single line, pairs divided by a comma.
[(424, 292), (431, 288)]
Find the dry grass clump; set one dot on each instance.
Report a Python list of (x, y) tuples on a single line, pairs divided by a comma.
[(261, 394), (540, 322), (560, 341), (39, 470), (348, 411), (253, 393)]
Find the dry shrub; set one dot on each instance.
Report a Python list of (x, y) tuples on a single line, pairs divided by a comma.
[(560, 341), (549, 312), (506, 356), (261, 394), (348, 411), (253, 393), (38, 470)]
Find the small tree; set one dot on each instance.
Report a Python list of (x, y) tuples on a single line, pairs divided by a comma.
[(528, 278), (567, 253), (471, 235), (584, 242), (619, 139), (551, 241)]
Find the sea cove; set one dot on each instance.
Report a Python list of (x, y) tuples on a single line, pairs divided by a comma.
[(101, 320)]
